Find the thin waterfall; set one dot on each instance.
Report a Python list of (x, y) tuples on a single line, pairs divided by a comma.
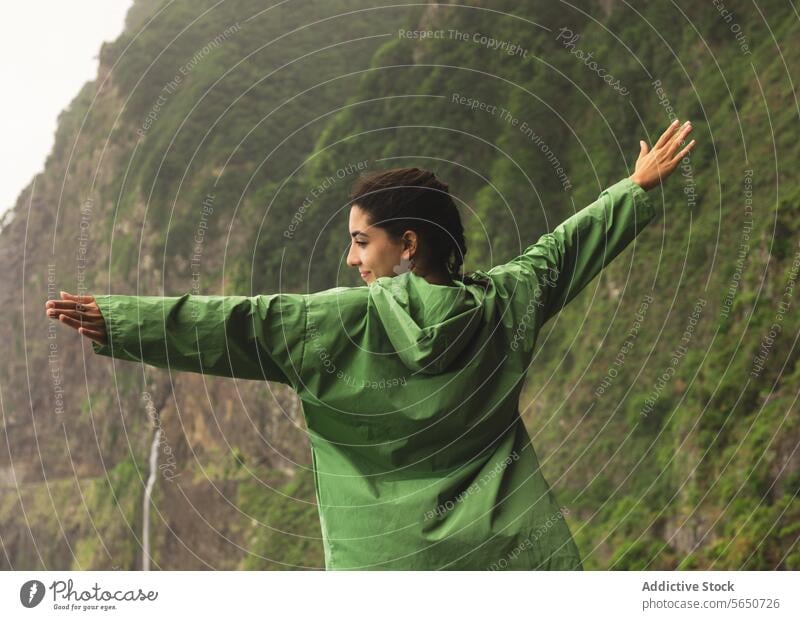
[(148, 492)]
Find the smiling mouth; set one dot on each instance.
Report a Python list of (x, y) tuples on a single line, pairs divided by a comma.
[(364, 274)]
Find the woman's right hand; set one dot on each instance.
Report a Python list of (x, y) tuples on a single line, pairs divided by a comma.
[(653, 166), (81, 313)]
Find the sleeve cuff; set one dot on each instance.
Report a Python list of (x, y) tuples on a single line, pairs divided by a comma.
[(105, 303), (641, 199)]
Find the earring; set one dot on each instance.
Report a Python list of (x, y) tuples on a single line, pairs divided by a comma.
[(404, 266)]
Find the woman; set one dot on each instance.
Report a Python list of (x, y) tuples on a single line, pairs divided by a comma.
[(409, 385)]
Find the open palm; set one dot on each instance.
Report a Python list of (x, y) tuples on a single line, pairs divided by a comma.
[(656, 164), (79, 312)]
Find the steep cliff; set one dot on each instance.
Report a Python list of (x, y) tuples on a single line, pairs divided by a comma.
[(213, 154)]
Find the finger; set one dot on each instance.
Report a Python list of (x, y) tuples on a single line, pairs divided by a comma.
[(85, 317), (75, 323), (79, 309), (680, 136), (70, 305), (94, 335), (62, 305), (54, 314), (684, 152), (80, 298), (643, 148), (68, 322), (92, 323), (666, 135)]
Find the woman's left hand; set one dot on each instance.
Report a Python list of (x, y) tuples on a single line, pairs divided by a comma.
[(656, 164)]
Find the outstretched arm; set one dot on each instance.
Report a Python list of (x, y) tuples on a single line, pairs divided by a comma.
[(260, 337), (552, 271)]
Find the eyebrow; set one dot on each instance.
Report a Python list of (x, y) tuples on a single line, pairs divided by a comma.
[(358, 232)]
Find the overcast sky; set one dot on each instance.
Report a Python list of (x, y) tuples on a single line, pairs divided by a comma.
[(49, 50)]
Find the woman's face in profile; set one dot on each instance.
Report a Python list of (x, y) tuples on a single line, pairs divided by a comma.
[(372, 251)]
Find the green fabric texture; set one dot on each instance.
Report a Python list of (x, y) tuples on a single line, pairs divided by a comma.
[(410, 393)]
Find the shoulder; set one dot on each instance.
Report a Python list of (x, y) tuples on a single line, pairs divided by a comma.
[(338, 302), (345, 294)]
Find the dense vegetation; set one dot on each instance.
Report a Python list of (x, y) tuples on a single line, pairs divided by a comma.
[(266, 109)]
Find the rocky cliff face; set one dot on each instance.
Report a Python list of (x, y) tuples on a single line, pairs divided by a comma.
[(77, 426), (225, 120)]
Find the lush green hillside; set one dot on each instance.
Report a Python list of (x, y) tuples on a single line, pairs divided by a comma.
[(672, 443)]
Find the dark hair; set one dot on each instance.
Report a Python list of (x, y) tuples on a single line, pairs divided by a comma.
[(400, 199)]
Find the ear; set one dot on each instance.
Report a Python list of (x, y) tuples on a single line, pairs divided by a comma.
[(409, 244)]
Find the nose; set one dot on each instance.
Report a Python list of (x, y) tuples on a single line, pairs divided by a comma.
[(352, 257)]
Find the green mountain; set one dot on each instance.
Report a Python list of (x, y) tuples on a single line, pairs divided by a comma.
[(213, 154)]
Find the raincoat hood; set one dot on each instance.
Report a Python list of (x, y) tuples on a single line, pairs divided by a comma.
[(429, 325)]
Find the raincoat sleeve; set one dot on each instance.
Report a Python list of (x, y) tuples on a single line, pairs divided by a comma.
[(552, 271), (260, 337)]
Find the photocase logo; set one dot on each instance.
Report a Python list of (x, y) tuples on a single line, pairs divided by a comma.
[(66, 597), (31, 593)]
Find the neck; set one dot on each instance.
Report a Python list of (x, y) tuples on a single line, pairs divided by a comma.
[(434, 277)]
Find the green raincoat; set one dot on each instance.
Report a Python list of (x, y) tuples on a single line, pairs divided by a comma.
[(409, 391)]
